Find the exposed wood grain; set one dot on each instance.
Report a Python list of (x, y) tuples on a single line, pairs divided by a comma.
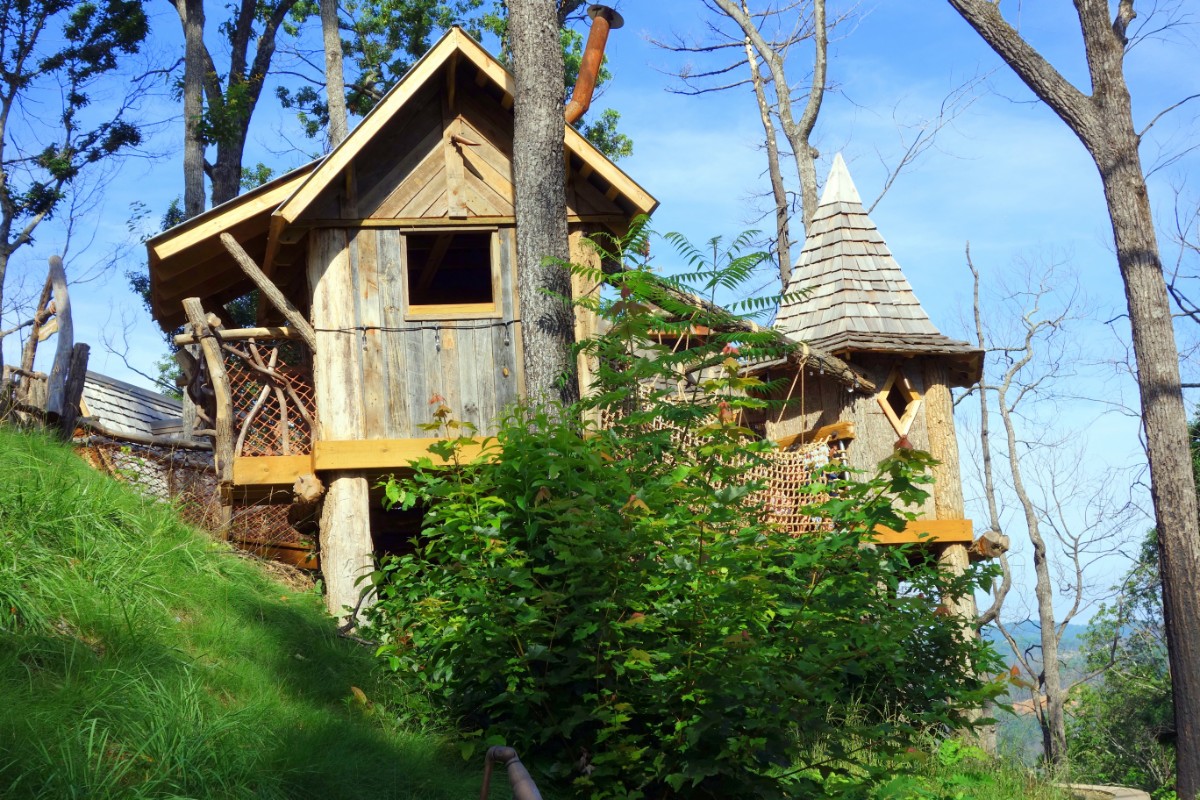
[(279, 471), (931, 531), (381, 453), (346, 544), (73, 391), (56, 383)]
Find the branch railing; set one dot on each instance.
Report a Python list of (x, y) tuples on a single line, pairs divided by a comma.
[(252, 387)]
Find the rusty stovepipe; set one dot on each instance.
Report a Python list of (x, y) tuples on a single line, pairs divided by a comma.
[(604, 19), (523, 787)]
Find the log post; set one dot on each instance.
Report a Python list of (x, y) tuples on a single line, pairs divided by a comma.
[(223, 423), (347, 548), (73, 391), (56, 384)]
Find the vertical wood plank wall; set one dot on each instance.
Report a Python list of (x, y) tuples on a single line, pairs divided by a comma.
[(397, 365)]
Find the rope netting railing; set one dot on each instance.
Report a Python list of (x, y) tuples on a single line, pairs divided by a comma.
[(273, 401), (187, 480), (793, 479)]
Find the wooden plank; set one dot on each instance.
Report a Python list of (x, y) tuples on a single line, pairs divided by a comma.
[(452, 311), (392, 288), (213, 222), (837, 431), (279, 471), (381, 453), (411, 148), (469, 377), (506, 249), (297, 556), (430, 167), (614, 221), (452, 154), (375, 375), (441, 356), (928, 531)]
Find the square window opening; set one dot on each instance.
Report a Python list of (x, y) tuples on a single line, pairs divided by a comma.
[(449, 269)]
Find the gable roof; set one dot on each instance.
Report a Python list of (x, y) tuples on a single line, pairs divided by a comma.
[(852, 294), (189, 260), (456, 44)]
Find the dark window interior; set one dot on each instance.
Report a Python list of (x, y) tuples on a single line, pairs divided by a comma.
[(897, 400), (449, 268)]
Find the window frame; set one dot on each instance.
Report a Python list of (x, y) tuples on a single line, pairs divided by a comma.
[(435, 311)]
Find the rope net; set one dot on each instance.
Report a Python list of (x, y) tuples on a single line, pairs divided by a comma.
[(273, 398), (793, 480)]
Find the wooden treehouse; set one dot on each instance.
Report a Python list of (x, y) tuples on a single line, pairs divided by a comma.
[(385, 274)]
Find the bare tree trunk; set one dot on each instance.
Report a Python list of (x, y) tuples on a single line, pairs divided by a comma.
[(193, 107), (783, 241), (335, 82), (1103, 121), (797, 131), (547, 321)]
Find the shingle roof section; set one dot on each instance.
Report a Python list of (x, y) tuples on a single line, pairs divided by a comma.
[(855, 297), (126, 408)]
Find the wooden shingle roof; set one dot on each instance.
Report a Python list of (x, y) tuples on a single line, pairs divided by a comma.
[(851, 293), (125, 408)]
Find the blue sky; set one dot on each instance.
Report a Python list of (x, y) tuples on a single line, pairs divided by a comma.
[(1006, 175)]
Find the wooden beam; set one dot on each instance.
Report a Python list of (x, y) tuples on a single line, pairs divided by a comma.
[(242, 334), (271, 291), (223, 450), (837, 431), (270, 470), (383, 453), (927, 531)]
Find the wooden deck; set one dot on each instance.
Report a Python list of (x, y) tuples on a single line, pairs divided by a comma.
[(259, 478)]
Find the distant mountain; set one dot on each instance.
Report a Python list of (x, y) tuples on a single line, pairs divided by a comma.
[(1028, 633)]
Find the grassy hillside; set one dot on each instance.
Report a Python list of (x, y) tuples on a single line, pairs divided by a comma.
[(141, 659)]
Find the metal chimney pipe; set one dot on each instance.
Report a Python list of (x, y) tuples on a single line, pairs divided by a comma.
[(604, 19)]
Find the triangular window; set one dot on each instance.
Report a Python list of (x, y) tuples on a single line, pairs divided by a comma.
[(899, 401)]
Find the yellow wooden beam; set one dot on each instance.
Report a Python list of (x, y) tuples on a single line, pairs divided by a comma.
[(382, 453), (270, 470), (838, 430), (928, 531)]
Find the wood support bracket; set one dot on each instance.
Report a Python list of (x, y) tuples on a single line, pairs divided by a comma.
[(270, 291)]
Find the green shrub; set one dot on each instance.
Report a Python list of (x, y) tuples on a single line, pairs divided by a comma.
[(612, 603)]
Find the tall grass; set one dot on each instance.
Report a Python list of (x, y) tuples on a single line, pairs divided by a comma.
[(141, 659)]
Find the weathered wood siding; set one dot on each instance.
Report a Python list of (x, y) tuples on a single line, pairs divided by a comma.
[(825, 401), (400, 364)]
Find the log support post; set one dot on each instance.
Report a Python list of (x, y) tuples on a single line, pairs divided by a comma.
[(347, 548), (73, 391), (223, 442)]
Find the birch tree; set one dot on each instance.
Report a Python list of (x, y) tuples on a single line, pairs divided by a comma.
[(1101, 116)]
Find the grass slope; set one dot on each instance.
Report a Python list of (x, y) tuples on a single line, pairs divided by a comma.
[(140, 659)]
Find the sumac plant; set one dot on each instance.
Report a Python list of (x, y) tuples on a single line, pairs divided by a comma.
[(612, 601)]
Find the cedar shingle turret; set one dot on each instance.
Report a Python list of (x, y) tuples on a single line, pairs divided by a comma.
[(855, 297)]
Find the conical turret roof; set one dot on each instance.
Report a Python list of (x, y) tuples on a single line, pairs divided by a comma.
[(851, 294)]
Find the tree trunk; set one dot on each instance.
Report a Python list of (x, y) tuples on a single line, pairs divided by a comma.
[(783, 239), (547, 319), (335, 82), (193, 107), (1164, 418), (1103, 121)]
